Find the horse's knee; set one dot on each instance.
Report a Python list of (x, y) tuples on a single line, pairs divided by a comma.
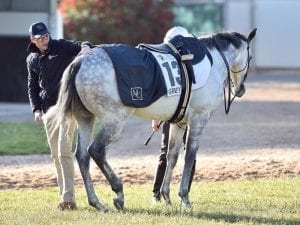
[(81, 153), (82, 158), (96, 153)]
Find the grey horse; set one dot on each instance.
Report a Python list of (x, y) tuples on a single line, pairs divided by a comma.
[(89, 90)]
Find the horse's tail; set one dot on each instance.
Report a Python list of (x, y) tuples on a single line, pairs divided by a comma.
[(68, 100), (68, 97)]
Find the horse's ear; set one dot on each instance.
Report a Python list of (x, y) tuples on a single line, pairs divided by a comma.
[(251, 34)]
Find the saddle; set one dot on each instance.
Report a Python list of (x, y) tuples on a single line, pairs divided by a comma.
[(185, 46), (188, 51)]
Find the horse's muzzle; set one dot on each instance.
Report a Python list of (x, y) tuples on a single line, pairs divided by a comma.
[(242, 90)]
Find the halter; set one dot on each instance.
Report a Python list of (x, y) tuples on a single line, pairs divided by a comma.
[(229, 100)]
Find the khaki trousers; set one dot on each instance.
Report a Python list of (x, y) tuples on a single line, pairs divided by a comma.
[(63, 160)]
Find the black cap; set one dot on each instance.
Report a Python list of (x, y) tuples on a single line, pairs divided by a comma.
[(38, 29)]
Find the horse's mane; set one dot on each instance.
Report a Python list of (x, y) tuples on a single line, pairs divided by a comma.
[(223, 39)]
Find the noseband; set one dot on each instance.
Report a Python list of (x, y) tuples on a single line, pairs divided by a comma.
[(229, 100)]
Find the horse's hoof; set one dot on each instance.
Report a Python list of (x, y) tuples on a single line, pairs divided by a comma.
[(99, 206), (167, 199), (186, 203), (118, 203), (168, 202)]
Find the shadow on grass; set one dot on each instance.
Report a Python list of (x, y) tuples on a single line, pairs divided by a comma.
[(233, 218), (229, 218)]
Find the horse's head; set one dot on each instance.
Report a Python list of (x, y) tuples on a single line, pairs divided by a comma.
[(240, 66)]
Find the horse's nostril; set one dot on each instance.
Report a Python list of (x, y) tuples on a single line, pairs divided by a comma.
[(239, 93)]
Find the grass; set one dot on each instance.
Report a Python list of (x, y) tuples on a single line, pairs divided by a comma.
[(26, 138), (22, 138), (263, 201)]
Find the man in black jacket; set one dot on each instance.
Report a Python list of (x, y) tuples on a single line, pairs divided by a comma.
[(46, 63)]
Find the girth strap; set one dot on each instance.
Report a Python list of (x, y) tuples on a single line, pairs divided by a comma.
[(186, 83), (187, 75)]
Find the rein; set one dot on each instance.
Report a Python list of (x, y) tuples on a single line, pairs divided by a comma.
[(229, 100)]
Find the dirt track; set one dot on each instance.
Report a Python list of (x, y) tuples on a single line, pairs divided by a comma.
[(259, 138)]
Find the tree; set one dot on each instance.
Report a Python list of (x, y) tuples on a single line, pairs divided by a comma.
[(117, 21)]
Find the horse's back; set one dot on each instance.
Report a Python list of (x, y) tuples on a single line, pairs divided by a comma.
[(96, 83), (97, 87)]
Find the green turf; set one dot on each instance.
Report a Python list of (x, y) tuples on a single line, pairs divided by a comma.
[(22, 138), (264, 201)]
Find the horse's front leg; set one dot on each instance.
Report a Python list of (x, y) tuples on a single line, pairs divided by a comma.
[(192, 145), (175, 139), (97, 150), (85, 128)]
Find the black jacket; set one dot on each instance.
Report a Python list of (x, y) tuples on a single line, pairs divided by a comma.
[(45, 71)]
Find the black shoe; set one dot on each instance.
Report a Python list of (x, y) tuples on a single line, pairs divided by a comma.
[(67, 206), (156, 197)]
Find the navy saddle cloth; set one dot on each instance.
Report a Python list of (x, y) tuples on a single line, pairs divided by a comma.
[(140, 80), (139, 77)]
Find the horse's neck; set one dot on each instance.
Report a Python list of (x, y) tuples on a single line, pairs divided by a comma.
[(230, 55)]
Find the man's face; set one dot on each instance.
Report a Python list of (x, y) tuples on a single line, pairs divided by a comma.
[(41, 42)]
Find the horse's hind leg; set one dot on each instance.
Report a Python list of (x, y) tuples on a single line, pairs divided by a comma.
[(97, 150), (85, 128)]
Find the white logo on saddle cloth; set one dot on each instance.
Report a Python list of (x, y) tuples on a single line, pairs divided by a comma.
[(171, 72), (137, 93)]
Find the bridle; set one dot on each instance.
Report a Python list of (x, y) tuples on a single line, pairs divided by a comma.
[(229, 99)]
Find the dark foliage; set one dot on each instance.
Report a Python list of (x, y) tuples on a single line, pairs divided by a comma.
[(117, 21)]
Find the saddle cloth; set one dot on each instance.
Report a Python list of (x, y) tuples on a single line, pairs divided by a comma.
[(171, 73), (143, 76), (139, 78)]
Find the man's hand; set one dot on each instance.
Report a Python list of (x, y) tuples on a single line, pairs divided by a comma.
[(155, 125), (86, 48), (38, 116)]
